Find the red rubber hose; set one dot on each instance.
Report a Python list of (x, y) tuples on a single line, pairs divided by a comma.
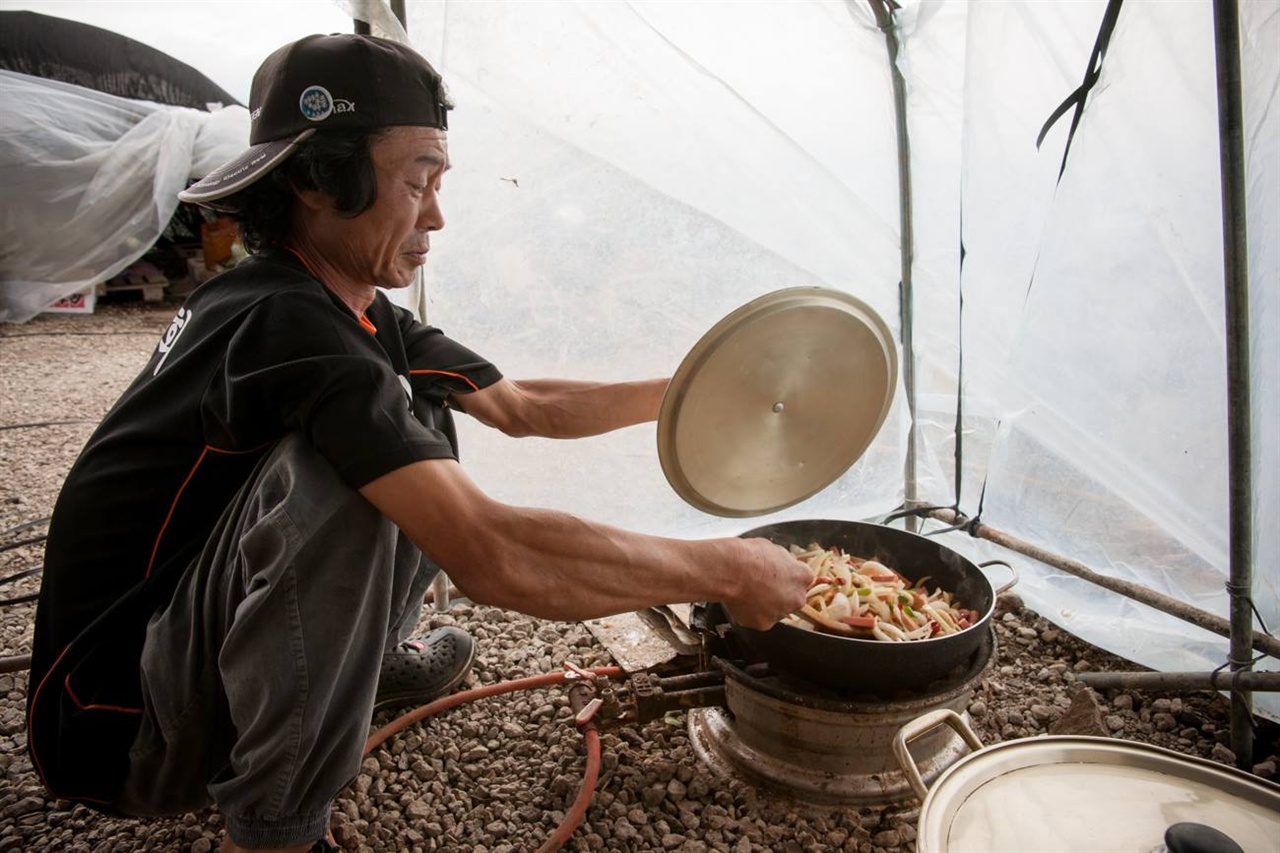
[(573, 818)]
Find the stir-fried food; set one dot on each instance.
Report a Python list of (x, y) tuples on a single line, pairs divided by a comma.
[(856, 597)]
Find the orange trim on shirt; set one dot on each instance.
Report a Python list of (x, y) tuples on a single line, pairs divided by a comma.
[(473, 385), (31, 723), (155, 548), (35, 697), (66, 683), (367, 325)]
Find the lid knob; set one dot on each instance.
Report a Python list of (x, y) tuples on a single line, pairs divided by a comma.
[(1198, 838)]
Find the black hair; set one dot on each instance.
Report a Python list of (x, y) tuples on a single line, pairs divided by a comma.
[(335, 162)]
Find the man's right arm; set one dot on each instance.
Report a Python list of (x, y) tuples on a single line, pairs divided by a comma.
[(554, 565)]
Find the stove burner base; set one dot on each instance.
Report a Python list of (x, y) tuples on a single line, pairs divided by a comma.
[(717, 743), (822, 749)]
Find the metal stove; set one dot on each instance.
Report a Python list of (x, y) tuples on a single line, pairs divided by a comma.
[(790, 737)]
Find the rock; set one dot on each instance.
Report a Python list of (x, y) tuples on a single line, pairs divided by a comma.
[(1223, 754), (1082, 717), (887, 838), (1265, 769), (1009, 604), (1044, 714), (419, 810), (26, 805)]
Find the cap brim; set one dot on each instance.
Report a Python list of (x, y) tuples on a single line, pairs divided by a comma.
[(229, 178)]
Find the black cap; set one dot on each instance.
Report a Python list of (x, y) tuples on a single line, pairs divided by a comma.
[(341, 82)]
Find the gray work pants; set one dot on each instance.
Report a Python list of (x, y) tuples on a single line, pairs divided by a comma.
[(259, 677)]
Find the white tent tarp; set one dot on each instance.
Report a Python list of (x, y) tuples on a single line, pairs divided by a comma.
[(627, 173)]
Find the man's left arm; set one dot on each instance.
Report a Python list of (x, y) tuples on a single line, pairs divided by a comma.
[(563, 408)]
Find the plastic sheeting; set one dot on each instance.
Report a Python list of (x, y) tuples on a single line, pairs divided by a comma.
[(90, 182), (627, 173)]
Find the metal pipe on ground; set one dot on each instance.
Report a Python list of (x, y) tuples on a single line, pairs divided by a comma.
[(1264, 643), (15, 663), (1174, 682)]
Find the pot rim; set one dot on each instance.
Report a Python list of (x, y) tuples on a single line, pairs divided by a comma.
[(960, 785)]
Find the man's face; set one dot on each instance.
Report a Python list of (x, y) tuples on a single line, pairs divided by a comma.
[(387, 243)]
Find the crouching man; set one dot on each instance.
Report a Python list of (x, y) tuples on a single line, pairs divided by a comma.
[(237, 559)]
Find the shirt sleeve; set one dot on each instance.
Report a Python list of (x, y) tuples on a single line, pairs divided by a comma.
[(440, 367), (297, 363)]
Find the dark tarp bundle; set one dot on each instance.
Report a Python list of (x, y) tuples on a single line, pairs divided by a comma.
[(72, 52)]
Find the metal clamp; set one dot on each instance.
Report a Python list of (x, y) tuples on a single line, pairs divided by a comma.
[(920, 726), (572, 672), (588, 713)]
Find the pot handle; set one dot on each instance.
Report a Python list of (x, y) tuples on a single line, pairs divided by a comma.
[(1011, 584), (920, 726)]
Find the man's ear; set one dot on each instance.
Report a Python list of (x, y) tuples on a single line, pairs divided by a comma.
[(313, 199)]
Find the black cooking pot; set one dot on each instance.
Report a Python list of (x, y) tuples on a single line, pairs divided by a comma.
[(855, 665)]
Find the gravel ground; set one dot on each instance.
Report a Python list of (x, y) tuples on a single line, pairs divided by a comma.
[(497, 775)]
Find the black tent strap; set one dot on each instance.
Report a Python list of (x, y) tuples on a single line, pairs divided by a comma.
[(968, 525), (1235, 590), (1077, 98)]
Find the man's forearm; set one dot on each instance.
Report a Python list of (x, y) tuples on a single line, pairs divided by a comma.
[(557, 566), (564, 408), (573, 409)]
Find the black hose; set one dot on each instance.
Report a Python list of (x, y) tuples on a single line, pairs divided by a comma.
[(50, 423), (20, 599), (26, 525), (32, 541)]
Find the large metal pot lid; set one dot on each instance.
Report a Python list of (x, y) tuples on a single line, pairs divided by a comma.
[(1060, 793), (776, 401)]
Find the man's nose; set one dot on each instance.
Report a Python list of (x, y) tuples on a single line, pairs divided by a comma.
[(430, 216)]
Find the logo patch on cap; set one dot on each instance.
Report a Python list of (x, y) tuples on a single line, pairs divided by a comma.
[(316, 103)]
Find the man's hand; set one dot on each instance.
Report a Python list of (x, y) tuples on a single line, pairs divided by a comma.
[(774, 584)]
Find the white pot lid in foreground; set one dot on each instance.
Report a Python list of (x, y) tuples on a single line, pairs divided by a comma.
[(1060, 793)]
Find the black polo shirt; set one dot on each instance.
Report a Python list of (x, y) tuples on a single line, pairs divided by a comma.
[(254, 354)]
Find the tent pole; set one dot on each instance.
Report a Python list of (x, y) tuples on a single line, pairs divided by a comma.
[(906, 295), (1226, 26)]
